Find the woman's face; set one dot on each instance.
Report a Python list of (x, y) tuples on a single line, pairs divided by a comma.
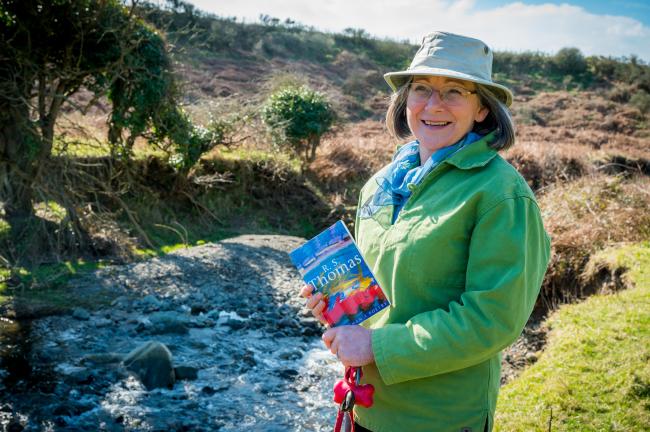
[(437, 124)]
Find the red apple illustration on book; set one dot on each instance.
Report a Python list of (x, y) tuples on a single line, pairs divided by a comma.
[(334, 312), (350, 305), (364, 298)]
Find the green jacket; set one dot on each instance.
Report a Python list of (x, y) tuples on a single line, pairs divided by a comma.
[(462, 267)]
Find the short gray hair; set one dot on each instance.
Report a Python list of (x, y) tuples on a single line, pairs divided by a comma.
[(498, 118)]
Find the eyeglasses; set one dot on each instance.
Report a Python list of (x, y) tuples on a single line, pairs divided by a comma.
[(449, 95)]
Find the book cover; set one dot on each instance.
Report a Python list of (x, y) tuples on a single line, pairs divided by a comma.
[(332, 264)]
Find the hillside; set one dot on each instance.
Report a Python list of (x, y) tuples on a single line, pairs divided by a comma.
[(578, 118), (583, 145)]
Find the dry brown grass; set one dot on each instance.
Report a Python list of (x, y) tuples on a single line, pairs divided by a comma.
[(583, 217), (543, 164), (585, 118), (352, 154), (562, 136)]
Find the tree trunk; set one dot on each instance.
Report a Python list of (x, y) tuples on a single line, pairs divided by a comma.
[(19, 146), (314, 140), (115, 138)]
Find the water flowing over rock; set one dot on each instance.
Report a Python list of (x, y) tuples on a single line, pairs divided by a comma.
[(152, 364)]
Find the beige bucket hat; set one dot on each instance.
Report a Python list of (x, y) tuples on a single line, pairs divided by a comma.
[(452, 56)]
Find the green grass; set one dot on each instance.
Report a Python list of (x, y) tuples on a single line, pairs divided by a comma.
[(80, 147), (45, 285), (594, 374), (169, 246), (83, 147), (4, 275), (259, 156), (56, 275)]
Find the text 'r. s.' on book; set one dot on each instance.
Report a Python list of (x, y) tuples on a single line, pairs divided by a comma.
[(332, 264)]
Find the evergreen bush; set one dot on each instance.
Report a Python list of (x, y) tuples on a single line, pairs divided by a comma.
[(297, 117), (641, 100), (569, 61)]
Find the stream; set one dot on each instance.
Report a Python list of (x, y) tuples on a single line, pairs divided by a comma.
[(227, 311)]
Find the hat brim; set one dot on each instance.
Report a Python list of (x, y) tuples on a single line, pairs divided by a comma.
[(398, 79)]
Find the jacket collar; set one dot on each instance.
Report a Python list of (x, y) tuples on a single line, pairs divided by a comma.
[(475, 155)]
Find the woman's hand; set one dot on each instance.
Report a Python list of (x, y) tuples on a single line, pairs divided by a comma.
[(352, 344), (314, 302)]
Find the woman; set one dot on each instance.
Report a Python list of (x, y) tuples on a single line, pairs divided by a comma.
[(454, 236)]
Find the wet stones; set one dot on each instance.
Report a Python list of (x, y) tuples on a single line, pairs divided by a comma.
[(287, 373), (237, 336), (186, 373), (121, 302), (168, 322), (202, 337), (232, 320), (291, 355), (102, 358), (72, 408), (15, 426), (235, 324), (100, 322), (81, 314), (75, 374), (198, 309), (151, 363), (150, 303), (210, 390)]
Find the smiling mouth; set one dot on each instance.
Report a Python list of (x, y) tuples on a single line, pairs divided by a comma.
[(436, 123)]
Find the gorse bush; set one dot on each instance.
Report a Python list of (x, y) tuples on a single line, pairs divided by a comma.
[(187, 141), (641, 100), (569, 61), (297, 117), (510, 63), (143, 89)]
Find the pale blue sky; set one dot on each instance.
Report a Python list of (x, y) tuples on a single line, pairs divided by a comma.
[(611, 28), (638, 9)]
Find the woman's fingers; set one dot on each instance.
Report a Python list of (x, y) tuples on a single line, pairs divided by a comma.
[(334, 348), (314, 300), (352, 344), (329, 336), (306, 290), (318, 308)]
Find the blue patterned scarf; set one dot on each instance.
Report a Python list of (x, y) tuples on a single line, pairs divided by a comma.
[(405, 172)]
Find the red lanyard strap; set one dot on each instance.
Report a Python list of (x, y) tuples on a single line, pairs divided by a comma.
[(349, 425), (347, 393)]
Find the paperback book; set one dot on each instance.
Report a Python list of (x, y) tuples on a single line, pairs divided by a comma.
[(332, 264)]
